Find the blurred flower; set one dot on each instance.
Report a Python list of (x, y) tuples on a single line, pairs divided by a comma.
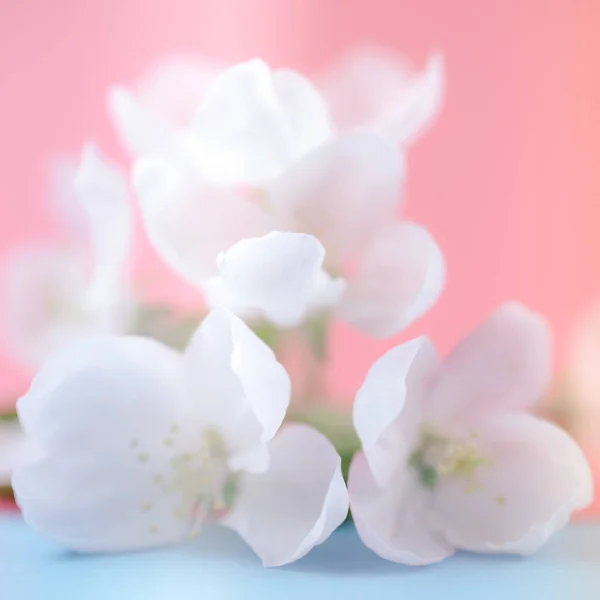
[(53, 298), (143, 444), (280, 277), (381, 91), (578, 394), (451, 459), (268, 135), (369, 87)]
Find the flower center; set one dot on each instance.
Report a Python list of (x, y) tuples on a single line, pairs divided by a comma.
[(438, 455), (202, 479)]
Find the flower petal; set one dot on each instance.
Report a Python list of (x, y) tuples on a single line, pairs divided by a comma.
[(190, 222), (44, 298), (393, 521), (102, 193), (66, 208), (175, 86), (141, 130), (305, 110), (536, 478), (254, 123), (379, 90), (100, 414), (344, 193), (399, 278), (389, 404), (278, 276), (227, 362), (504, 364), (297, 503)]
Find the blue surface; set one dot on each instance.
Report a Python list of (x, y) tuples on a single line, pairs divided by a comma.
[(221, 567)]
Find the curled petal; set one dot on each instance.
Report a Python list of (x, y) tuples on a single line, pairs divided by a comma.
[(504, 364), (297, 503), (140, 129), (389, 405), (535, 478), (188, 221), (254, 123), (381, 91), (227, 362), (279, 276), (343, 193), (102, 192), (393, 521), (399, 278), (105, 479)]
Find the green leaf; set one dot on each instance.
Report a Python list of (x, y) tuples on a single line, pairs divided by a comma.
[(166, 325), (8, 416), (267, 333), (317, 333), (6, 493)]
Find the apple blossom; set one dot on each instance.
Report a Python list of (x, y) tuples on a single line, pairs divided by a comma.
[(381, 91), (279, 168), (367, 87), (140, 445), (52, 297), (451, 459)]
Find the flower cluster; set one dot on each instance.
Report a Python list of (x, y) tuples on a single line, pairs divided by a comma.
[(278, 201)]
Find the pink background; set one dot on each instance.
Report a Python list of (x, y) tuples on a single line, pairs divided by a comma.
[(508, 179)]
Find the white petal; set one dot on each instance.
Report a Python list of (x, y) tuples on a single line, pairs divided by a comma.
[(329, 292), (100, 413), (344, 192), (250, 390), (174, 87), (140, 129), (376, 89), (253, 124), (66, 208), (389, 405), (102, 192), (393, 521), (304, 108), (536, 478), (13, 450), (503, 364), (297, 503), (44, 305), (279, 275), (190, 222), (399, 278)]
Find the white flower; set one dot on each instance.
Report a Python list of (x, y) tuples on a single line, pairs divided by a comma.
[(270, 136), (141, 445), (150, 118), (279, 277), (451, 459), (381, 91), (53, 298), (369, 88)]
